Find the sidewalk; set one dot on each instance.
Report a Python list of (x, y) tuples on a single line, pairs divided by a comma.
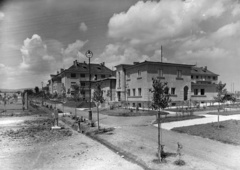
[(207, 119)]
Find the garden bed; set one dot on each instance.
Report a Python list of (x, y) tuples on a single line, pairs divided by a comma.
[(228, 132), (224, 113), (128, 112), (178, 118)]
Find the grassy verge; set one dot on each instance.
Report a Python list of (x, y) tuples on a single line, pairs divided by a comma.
[(127, 112), (227, 133), (178, 118), (228, 113)]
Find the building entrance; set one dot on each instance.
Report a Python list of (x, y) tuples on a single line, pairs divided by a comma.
[(185, 93)]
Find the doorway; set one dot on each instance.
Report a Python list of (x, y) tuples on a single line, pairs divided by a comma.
[(185, 93)]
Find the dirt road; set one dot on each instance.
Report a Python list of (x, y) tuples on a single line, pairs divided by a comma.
[(72, 152)]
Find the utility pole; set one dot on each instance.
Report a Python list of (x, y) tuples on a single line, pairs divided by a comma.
[(42, 93)]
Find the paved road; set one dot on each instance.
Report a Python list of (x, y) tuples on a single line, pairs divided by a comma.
[(133, 132)]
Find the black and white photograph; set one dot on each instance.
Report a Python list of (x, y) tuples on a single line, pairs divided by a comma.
[(119, 85)]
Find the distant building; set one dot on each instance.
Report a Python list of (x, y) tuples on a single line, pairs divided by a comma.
[(108, 86), (78, 73), (203, 84)]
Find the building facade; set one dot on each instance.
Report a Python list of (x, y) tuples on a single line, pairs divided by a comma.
[(134, 82), (78, 74), (203, 84)]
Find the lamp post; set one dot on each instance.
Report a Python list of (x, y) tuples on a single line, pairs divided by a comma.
[(89, 55)]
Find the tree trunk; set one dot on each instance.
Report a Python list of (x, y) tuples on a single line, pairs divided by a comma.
[(98, 116), (159, 141), (218, 114)]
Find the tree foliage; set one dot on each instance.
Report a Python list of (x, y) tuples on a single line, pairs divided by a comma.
[(36, 89), (160, 98), (98, 94), (98, 98), (221, 92)]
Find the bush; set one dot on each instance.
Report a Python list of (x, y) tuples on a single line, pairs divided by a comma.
[(179, 162)]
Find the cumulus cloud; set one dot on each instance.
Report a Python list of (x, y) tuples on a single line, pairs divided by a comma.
[(150, 21), (115, 54), (2, 15), (83, 27), (73, 52)]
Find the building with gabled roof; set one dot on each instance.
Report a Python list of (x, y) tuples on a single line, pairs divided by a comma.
[(78, 73)]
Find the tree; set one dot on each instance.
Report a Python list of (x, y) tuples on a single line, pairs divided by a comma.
[(76, 89), (98, 98), (15, 97), (36, 89), (160, 101), (221, 92)]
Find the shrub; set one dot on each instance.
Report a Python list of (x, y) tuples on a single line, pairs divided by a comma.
[(179, 162)]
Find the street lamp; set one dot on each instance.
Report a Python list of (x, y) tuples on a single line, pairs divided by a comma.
[(89, 55)]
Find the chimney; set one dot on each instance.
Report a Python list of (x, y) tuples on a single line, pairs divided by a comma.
[(75, 62), (135, 63), (57, 72), (205, 68), (102, 64)]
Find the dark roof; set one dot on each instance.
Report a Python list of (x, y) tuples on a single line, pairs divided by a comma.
[(83, 67), (202, 71), (160, 63), (104, 79)]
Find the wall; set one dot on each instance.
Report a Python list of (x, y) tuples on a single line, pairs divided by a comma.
[(210, 92)]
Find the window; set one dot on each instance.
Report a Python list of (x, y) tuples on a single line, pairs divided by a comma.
[(73, 75), (209, 77), (103, 76), (214, 78), (139, 73), (195, 91), (173, 91), (83, 84), (179, 74), (202, 91), (95, 77), (166, 90), (191, 77), (133, 92), (139, 105), (128, 75), (139, 92), (128, 92), (73, 83), (133, 104), (196, 77), (119, 79), (160, 73), (82, 75)]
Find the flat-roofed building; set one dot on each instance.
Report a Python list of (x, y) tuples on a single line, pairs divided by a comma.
[(134, 82)]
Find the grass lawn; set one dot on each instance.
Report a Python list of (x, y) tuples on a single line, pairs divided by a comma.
[(225, 113), (127, 112), (227, 133), (178, 118)]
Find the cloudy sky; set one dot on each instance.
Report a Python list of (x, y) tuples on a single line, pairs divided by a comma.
[(38, 37)]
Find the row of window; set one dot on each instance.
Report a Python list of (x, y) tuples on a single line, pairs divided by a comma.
[(204, 77), (74, 75), (196, 91), (134, 92), (160, 73), (172, 91)]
